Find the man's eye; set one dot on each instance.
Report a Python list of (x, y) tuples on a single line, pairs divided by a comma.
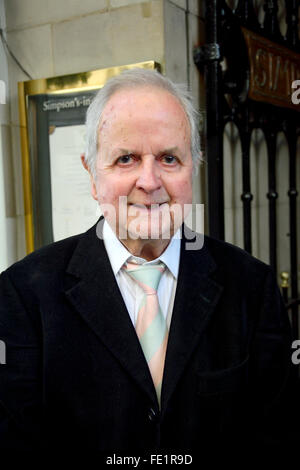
[(169, 159), (125, 159)]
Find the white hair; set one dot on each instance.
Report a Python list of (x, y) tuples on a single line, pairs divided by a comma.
[(133, 78)]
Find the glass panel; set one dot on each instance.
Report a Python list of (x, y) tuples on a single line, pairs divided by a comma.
[(60, 185)]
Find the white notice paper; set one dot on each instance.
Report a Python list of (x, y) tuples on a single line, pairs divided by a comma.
[(73, 208)]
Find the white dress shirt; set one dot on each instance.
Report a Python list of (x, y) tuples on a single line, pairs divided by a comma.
[(132, 293)]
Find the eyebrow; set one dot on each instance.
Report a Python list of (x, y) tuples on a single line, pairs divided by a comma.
[(170, 150), (167, 150)]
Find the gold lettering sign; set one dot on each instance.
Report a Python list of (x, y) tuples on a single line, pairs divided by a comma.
[(273, 69)]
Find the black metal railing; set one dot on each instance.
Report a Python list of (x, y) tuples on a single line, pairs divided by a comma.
[(225, 44)]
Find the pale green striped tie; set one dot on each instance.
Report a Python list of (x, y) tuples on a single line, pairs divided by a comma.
[(151, 326)]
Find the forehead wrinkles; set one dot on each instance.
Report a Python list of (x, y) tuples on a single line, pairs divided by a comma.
[(127, 107)]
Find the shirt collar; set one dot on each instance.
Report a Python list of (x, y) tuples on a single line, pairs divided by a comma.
[(118, 254)]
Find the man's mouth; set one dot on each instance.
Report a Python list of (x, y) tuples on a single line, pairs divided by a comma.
[(152, 206), (147, 204)]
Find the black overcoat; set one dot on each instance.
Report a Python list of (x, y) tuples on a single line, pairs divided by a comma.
[(75, 375)]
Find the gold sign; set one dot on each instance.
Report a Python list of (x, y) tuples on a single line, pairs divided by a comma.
[(273, 69)]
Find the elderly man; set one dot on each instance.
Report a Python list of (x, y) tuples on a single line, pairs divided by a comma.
[(123, 338)]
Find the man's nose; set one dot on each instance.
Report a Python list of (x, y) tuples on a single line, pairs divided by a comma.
[(149, 177)]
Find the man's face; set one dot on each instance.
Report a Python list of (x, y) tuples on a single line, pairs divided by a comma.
[(144, 155)]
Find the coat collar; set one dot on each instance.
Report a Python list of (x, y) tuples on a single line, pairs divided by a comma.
[(95, 295)]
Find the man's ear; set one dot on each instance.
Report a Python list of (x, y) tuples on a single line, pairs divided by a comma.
[(84, 163), (93, 183)]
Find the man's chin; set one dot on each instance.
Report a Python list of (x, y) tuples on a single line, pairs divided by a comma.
[(147, 231)]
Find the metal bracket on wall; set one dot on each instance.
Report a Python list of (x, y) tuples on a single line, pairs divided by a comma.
[(207, 53)]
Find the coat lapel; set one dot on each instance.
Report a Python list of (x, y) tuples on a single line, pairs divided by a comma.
[(94, 293), (195, 300), (96, 296)]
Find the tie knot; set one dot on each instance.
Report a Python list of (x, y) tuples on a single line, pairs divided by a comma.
[(147, 276)]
